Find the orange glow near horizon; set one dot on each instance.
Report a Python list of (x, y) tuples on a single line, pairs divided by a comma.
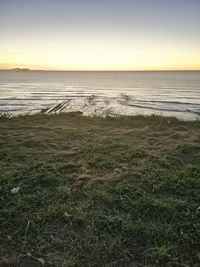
[(99, 57), (89, 54), (100, 35)]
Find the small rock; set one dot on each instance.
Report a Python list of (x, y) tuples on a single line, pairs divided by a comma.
[(14, 191)]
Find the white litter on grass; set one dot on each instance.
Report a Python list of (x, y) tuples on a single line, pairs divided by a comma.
[(41, 260), (198, 209), (14, 191)]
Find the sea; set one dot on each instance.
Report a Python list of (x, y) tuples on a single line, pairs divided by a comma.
[(166, 93)]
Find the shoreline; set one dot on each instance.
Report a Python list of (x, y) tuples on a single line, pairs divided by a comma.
[(10, 115), (119, 106)]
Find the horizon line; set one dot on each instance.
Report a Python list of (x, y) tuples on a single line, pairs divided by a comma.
[(151, 70)]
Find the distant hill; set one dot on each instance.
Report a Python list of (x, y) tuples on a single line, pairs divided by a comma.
[(20, 69)]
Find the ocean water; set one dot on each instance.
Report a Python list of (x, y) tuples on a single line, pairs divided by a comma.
[(102, 93)]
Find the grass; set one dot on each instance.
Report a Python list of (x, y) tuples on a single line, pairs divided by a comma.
[(99, 192)]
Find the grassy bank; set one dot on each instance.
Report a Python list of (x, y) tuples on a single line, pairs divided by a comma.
[(99, 192)]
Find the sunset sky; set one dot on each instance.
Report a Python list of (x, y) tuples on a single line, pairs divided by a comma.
[(100, 34)]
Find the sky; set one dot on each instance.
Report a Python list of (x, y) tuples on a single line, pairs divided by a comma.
[(100, 34)]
